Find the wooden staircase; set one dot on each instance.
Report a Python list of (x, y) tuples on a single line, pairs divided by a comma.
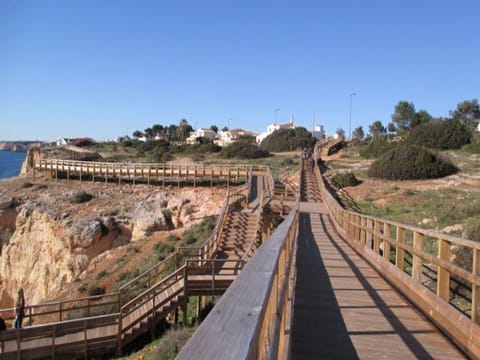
[(239, 230), (310, 191)]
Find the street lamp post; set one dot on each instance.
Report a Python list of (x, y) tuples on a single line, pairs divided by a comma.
[(276, 110), (350, 118)]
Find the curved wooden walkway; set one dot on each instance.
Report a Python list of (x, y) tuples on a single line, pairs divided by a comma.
[(343, 308)]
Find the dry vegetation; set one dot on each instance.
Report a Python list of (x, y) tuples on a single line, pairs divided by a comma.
[(450, 204)]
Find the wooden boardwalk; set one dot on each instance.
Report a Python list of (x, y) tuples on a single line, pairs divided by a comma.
[(345, 310)]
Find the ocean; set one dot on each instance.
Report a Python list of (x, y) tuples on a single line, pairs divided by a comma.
[(11, 163)]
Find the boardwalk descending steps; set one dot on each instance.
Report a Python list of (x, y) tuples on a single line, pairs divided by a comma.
[(344, 309), (240, 227), (310, 191)]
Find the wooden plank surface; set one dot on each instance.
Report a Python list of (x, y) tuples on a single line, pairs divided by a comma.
[(345, 309)]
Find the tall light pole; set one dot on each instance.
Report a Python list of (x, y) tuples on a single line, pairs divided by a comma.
[(350, 118), (276, 110)]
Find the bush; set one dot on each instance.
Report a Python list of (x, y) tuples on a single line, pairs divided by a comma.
[(442, 135), (288, 140), (406, 162), (199, 232), (81, 197), (96, 290), (101, 275), (376, 147), (172, 342), (243, 150), (345, 179), (162, 250)]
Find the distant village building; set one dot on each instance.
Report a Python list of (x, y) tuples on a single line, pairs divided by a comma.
[(274, 127), (62, 141), (230, 136), (318, 132), (201, 133)]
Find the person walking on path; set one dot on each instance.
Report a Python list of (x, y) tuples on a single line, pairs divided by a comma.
[(19, 310), (311, 163)]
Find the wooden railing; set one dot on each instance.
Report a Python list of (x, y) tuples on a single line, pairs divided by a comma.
[(83, 328), (164, 173), (255, 308), (391, 246)]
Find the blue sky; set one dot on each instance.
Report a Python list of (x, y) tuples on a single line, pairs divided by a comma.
[(106, 68)]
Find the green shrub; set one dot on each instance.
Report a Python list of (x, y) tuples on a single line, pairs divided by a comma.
[(128, 275), (287, 162), (345, 179), (442, 135), (241, 150), (474, 146), (172, 237), (81, 197), (406, 162), (26, 185), (172, 342), (288, 140), (200, 232), (376, 147), (162, 250), (96, 290), (101, 275)]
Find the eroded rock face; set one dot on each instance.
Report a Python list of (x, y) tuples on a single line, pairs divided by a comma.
[(150, 215), (52, 241), (35, 245)]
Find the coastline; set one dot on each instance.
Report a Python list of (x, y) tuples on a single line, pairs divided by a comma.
[(12, 163)]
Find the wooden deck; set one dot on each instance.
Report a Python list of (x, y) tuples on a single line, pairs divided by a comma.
[(344, 309)]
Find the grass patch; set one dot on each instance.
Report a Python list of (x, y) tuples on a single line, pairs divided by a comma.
[(81, 197)]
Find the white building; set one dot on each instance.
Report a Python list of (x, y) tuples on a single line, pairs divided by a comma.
[(198, 133), (230, 136), (274, 127), (318, 132)]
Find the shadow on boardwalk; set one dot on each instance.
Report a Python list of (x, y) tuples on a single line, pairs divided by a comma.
[(345, 310), (320, 331)]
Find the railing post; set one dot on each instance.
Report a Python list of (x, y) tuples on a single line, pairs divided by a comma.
[(417, 260), (387, 231), (369, 235), (443, 278), (377, 228), (475, 288), (120, 328), (363, 232), (399, 252)]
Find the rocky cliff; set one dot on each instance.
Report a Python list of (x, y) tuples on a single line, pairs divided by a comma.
[(48, 240)]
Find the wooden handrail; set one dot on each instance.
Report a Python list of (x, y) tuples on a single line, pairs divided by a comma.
[(380, 240), (251, 305), (256, 307)]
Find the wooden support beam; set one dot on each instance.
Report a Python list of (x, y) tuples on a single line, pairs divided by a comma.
[(417, 263), (476, 289), (399, 252), (443, 278)]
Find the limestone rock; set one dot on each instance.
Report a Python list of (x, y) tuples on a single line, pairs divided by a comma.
[(149, 215)]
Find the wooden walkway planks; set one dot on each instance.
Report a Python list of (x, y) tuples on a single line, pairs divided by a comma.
[(345, 309)]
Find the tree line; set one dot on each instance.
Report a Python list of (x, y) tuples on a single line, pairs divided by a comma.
[(170, 132), (405, 118)]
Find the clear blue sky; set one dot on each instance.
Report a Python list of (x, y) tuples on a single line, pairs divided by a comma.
[(106, 68)]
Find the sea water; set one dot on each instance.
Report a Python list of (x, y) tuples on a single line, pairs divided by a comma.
[(11, 163)]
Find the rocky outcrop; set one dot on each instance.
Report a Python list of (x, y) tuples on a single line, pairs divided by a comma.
[(48, 241)]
